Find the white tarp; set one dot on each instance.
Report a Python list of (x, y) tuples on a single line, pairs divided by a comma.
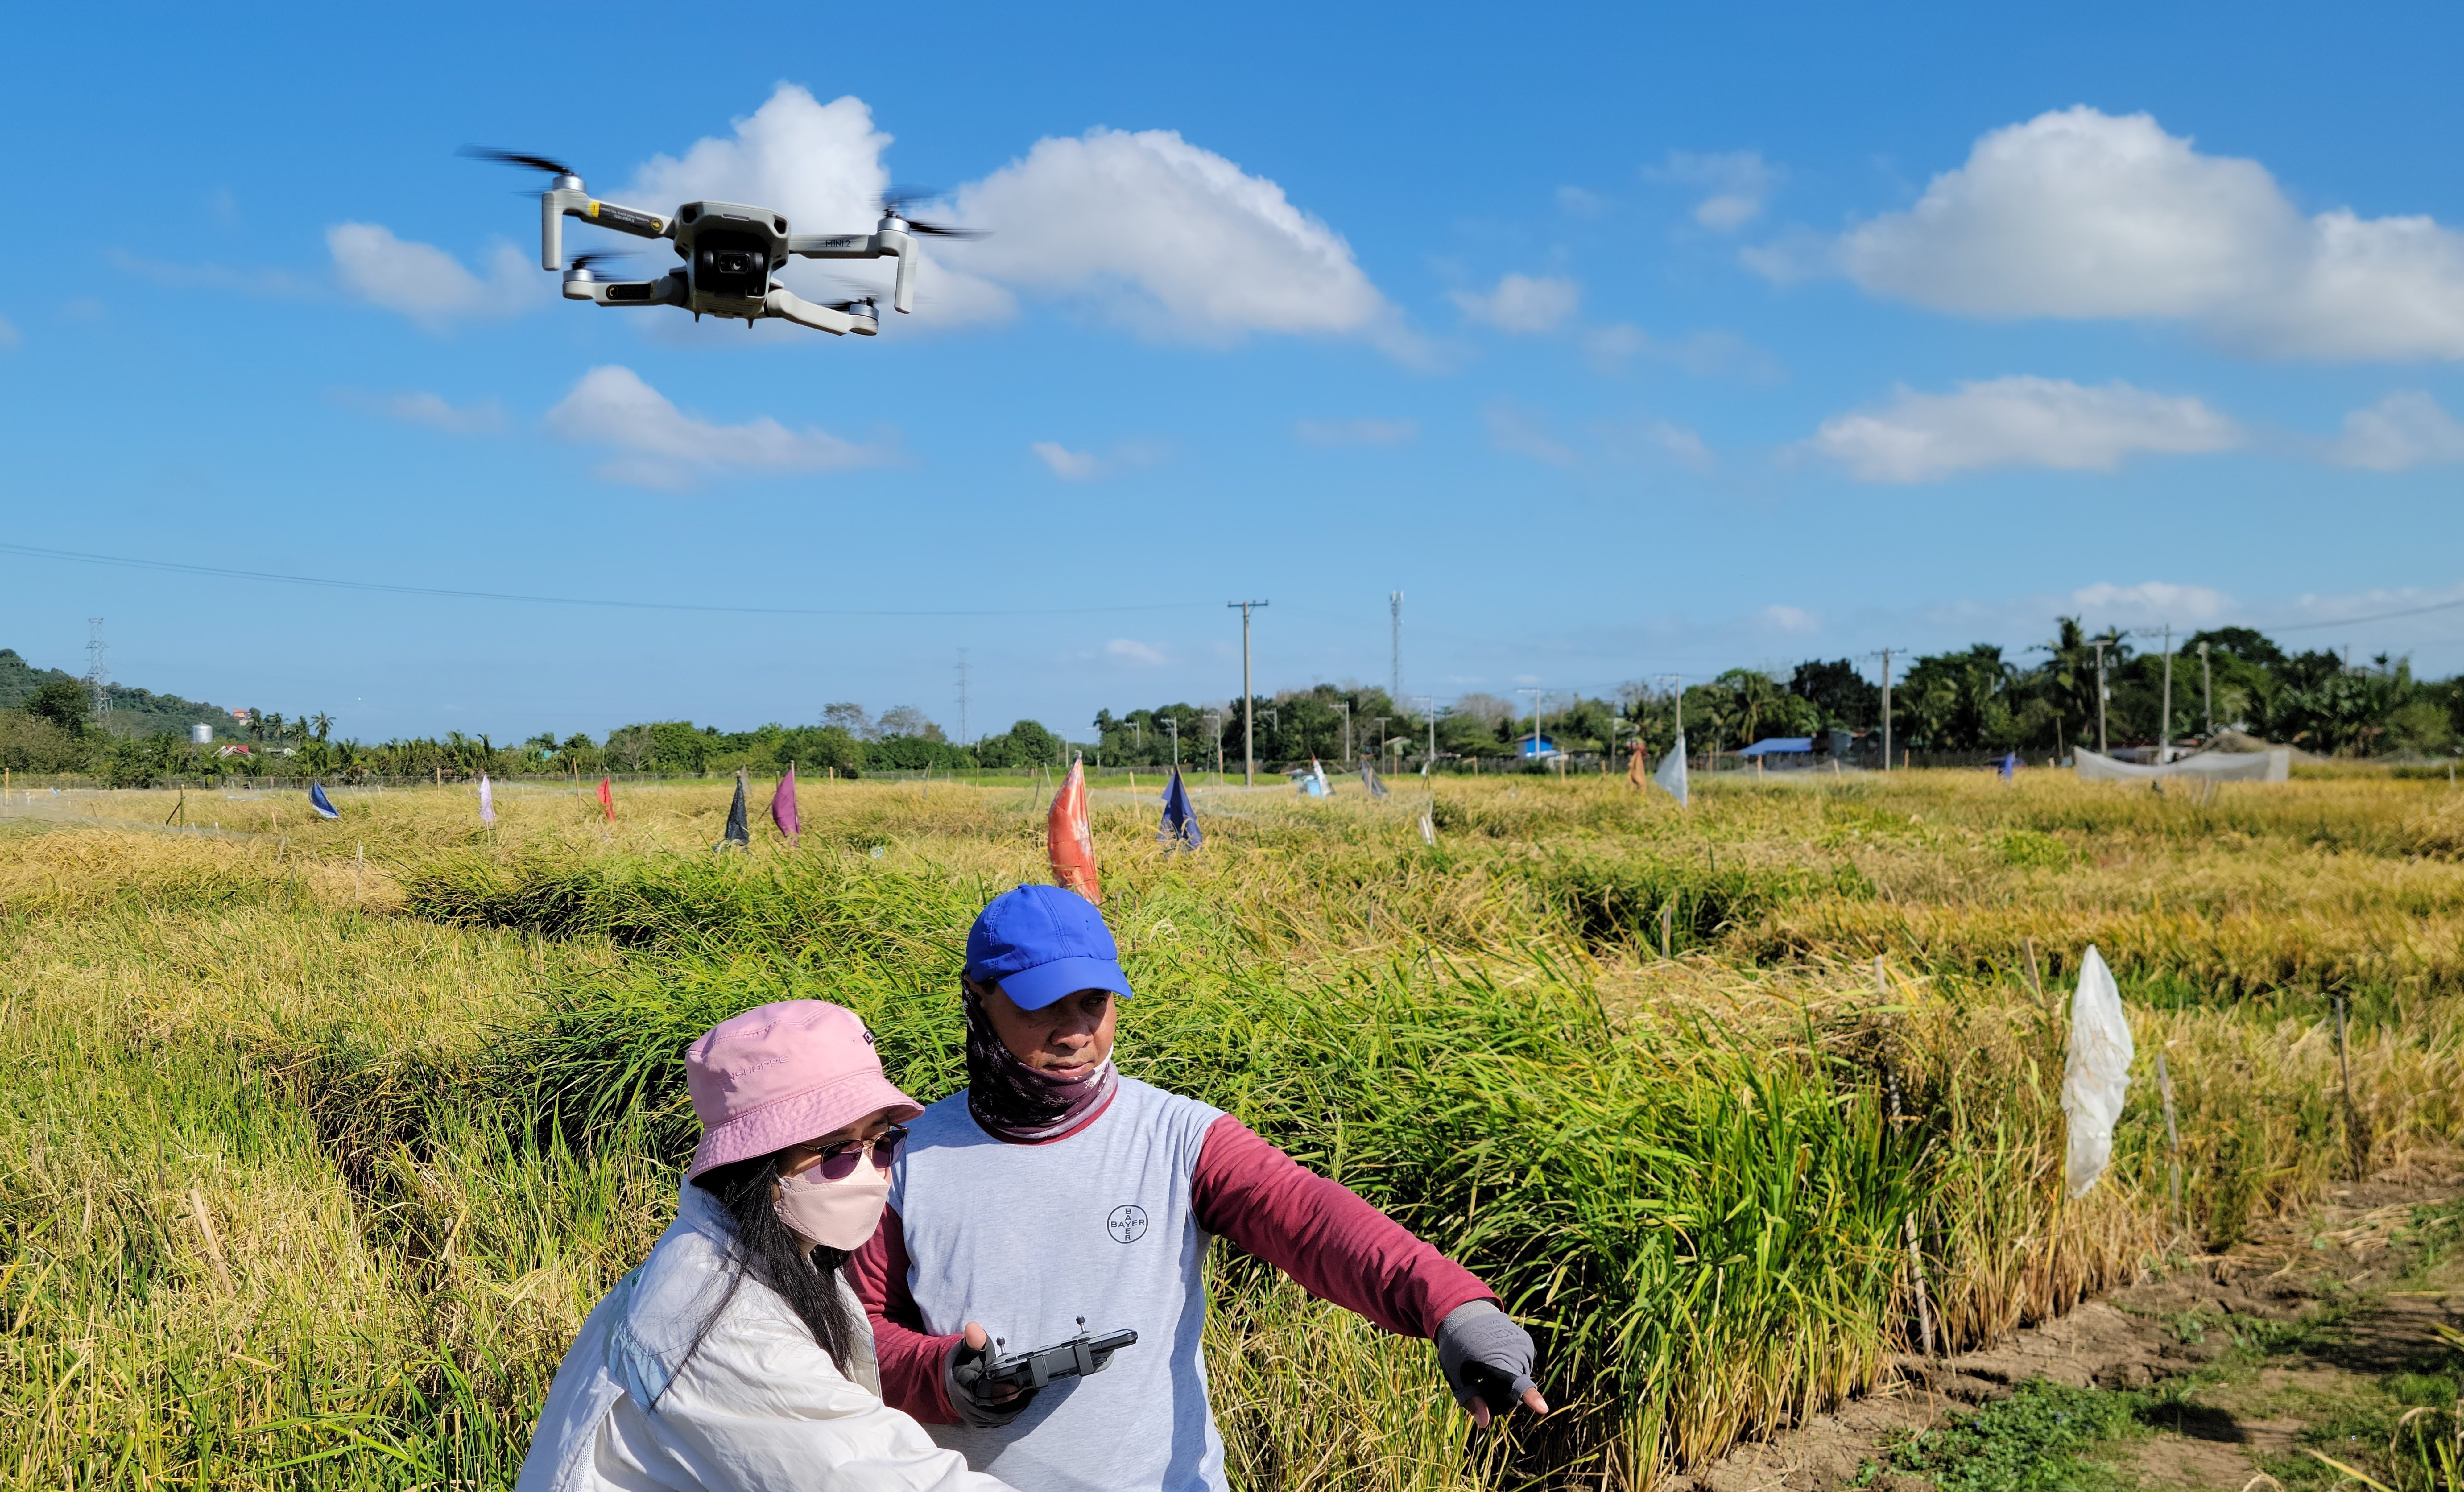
[(1671, 776), (2271, 765), (2097, 1075)]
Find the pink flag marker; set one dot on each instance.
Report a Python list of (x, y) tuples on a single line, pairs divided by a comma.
[(782, 805), (487, 801)]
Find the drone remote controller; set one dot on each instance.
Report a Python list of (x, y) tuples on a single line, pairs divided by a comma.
[(1029, 1371), (729, 252)]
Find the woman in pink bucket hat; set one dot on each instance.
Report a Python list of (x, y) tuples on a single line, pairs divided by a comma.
[(736, 1358)]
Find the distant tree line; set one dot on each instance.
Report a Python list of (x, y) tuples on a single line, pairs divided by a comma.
[(1972, 699)]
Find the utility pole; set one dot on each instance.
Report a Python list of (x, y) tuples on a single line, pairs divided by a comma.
[(2207, 694), (1431, 761), (1887, 709), (1347, 730), (1394, 651), (1248, 721), (963, 696), (2165, 721), (2099, 648), (1380, 722), (96, 680), (1173, 723), (1217, 715), (1535, 720)]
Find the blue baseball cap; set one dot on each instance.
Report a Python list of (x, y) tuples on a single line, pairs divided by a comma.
[(1041, 943)]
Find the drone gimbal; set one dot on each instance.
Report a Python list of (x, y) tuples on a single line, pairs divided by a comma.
[(729, 252)]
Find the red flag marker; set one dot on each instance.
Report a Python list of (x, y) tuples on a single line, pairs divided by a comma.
[(1069, 839), (606, 800)]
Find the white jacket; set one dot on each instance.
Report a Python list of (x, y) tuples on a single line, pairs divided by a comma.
[(760, 1408)]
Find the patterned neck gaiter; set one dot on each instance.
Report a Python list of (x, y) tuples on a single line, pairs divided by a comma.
[(1015, 1102)]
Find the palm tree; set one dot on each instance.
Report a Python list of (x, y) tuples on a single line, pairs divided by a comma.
[(322, 723)]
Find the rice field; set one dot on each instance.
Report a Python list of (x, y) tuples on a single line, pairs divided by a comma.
[(317, 1140)]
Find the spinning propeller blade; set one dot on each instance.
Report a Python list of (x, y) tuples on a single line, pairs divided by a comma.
[(894, 204), (515, 158), (583, 261)]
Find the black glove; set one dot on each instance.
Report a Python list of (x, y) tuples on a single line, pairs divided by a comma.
[(1483, 1351), (962, 1375)]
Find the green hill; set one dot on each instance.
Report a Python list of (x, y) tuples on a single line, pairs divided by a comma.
[(134, 712)]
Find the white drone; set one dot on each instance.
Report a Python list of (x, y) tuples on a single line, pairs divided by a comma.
[(730, 253)]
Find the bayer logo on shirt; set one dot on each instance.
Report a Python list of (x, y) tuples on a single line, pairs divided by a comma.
[(1128, 1223)]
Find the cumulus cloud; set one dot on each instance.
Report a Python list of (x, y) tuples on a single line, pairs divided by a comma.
[(1793, 620), (1166, 237), (486, 417), (2018, 422), (1677, 442), (1136, 651), (2078, 213), (661, 446), (1521, 304), (1739, 184), (427, 284), (1085, 466), (1514, 429), (1356, 432), (1145, 229), (2399, 432)]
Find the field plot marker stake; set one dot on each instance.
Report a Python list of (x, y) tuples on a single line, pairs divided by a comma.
[(1664, 910), (2172, 1138), (2345, 1070)]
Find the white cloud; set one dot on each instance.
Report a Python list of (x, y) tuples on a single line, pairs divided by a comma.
[(1522, 303), (11, 340), (2011, 421), (2078, 213), (1791, 620), (1510, 429), (1136, 651), (1356, 432), (2156, 601), (1576, 202), (1678, 442), (1702, 354), (665, 447), (1146, 229), (1740, 182), (2399, 432), (487, 417), (427, 284), (1083, 466), (1169, 238), (269, 284)]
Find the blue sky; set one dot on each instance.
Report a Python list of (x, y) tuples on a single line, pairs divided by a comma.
[(1647, 340)]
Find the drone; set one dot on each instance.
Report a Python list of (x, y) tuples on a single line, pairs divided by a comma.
[(729, 252)]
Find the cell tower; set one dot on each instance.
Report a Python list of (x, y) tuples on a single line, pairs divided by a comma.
[(96, 680)]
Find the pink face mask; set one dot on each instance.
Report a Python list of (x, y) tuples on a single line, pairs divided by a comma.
[(840, 1214)]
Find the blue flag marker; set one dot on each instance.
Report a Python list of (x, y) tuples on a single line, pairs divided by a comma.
[(1179, 820), (323, 804), (2009, 765)]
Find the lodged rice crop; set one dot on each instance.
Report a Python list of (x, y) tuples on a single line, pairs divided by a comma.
[(320, 1158)]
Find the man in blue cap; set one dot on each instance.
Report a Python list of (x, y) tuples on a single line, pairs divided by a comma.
[(1053, 1190)]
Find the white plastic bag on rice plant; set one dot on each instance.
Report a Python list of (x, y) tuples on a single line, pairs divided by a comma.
[(2097, 1074)]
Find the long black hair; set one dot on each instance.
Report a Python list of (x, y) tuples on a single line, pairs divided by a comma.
[(768, 1251)]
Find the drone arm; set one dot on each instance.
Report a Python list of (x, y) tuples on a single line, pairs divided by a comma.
[(669, 290), (787, 305), (889, 243), (559, 203)]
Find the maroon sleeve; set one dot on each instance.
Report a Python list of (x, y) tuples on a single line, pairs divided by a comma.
[(911, 1361), (1334, 1245)]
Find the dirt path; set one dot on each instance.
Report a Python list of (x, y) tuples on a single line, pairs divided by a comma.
[(2317, 1334)]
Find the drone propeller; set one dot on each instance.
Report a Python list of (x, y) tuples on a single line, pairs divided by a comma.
[(894, 204), (515, 158), (583, 262)]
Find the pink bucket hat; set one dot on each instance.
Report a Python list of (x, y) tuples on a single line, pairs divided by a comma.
[(783, 1073)]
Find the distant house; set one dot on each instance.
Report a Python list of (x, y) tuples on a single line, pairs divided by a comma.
[(1538, 748), (1781, 746), (1779, 752)]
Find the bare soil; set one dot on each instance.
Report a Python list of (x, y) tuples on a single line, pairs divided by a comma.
[(2280, 1344)]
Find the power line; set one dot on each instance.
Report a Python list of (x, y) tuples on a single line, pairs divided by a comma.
[(219, 572)]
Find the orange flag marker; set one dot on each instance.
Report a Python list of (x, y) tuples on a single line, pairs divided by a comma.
[(1071, 842)]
